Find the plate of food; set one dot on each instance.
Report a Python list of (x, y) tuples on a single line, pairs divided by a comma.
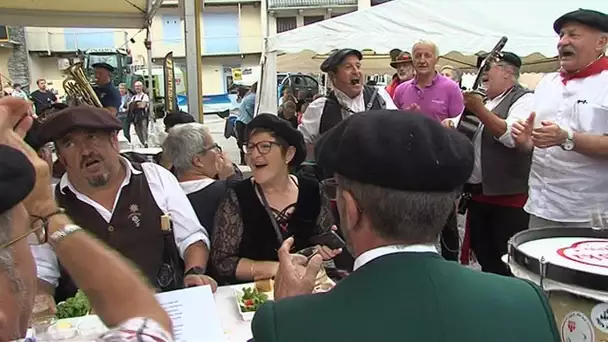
[(249, 297)]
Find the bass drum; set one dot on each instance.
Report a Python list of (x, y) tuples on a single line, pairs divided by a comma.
[(571, 266)]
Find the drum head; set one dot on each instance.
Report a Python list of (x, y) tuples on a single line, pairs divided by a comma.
[(576, 256)]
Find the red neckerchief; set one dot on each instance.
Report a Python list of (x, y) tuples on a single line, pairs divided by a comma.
[(594, 68)]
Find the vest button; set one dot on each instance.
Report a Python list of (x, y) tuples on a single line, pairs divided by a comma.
[(111, 229)]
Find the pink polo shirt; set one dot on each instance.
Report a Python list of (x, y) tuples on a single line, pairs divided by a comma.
[(440, 100)]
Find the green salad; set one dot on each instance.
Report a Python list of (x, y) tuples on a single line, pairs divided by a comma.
[(74, 307), (252, 299)]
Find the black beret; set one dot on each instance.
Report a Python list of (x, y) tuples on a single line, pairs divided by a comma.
[(176, 118), (337, 57), (397, 150), (64, 121), (104, 66), (17, 177), (511, 58), (591, 18), (282, 129)]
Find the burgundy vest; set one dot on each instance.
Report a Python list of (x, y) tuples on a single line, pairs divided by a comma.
[(134, 229)]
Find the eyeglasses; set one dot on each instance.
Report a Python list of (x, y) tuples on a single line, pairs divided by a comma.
[(214, 146), (330, 188), (36, 235), (263, 147)]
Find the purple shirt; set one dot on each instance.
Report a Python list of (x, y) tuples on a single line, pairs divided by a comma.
[(442, 99)]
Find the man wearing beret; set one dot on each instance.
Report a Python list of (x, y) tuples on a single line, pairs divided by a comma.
[(106, 92), (121, 203), (402, 62), (348, 95), (392, 211), (498, 186), (569, 130)]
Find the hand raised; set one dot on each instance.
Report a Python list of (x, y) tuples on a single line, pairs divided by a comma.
[(521, 132), (296, 275)]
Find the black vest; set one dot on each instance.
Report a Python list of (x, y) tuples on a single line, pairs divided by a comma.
[(505, 171), (333, 112), (259, 240), (134, 229)]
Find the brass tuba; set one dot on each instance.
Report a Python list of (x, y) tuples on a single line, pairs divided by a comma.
[(78, 88)]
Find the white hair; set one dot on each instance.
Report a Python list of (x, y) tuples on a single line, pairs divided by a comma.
[(184, 142), (426, 42)]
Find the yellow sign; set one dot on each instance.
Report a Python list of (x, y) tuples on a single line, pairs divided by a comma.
[(237, 74)]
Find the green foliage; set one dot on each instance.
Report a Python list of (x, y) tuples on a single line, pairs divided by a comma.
[(74, 307), (252, 299)]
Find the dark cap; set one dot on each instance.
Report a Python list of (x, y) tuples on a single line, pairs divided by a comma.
[(104, 66), (176, 118), (402, 58), (337, 57), (17, 177), (507, 57), (415, 154), (591, 18), (64, 121), (282, 129)]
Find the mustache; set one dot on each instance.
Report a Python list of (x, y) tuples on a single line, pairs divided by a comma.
[(566, 49), (90, 158)]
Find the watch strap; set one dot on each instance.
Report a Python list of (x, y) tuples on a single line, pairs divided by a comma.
[(62, 233), (196, 270)]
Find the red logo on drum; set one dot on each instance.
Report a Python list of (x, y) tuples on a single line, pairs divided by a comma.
[(571, 325), (591, 252)]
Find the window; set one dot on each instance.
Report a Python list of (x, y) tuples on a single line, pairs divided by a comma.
[(286, 23), (3, 33), (313, 19), (87, 38), (172, 29), (222, 32)]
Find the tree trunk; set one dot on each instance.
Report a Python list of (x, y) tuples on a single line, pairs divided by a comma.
[(18, 66)]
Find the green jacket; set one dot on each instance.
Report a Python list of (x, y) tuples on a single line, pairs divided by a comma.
[(417, 297)]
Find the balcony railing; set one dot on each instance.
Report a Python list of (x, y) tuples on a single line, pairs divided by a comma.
[(244, 44), (40, 39), (275, 4)]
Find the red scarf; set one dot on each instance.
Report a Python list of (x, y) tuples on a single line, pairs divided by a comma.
[(594, 68)]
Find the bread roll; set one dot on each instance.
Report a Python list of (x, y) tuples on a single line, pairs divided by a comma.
[(265, 285)]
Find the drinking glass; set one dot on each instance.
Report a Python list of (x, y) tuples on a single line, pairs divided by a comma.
[(43, 315), (598, 219)]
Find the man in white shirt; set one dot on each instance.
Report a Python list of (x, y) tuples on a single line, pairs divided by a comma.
[(568, 131), (498, 188), (348, 96), (139, 112), (393, 210), (121, 203)]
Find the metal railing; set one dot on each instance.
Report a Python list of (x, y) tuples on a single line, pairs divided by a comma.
[(243, 44), (41, 39)]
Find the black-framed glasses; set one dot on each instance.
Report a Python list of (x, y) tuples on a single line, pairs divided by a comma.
[(263, 147), (214, 146), (330, 188), (36, 234)]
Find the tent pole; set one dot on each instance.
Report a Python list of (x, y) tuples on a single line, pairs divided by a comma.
[(192, 28)]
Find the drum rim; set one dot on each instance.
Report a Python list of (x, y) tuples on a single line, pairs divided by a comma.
[(554, 272)]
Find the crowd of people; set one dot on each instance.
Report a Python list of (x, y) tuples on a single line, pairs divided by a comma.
[(385, 169)]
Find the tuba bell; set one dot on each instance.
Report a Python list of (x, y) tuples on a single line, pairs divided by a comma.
[(78, 88)]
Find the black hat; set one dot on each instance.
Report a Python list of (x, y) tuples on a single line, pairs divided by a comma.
[(587, 17), (104, 66), (508, 57), (283, 129), (17, 177), (176, 118), (64, 121), (337, 57), (416, 154), (401, 58)]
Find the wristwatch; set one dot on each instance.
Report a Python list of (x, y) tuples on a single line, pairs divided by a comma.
[(62, 233), (568, 144), (196, 270)]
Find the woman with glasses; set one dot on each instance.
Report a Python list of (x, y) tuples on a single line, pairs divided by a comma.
[(258, 213)]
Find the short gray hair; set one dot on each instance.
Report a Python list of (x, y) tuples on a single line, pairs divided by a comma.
[(184, 142), (402, 216), (426, 42), (512, 69)]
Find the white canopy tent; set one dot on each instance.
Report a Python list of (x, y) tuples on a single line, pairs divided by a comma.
[(460, 29)]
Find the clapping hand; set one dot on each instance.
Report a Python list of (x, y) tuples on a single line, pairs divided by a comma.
[(549, 135), (521, 131), (413, 107), (296, 275)]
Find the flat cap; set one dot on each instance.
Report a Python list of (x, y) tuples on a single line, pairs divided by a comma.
[(337, 57), (104, 66), (283, 129), (176, 118), (591, 18), (400, 150), (17, 177), (64, 121)]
